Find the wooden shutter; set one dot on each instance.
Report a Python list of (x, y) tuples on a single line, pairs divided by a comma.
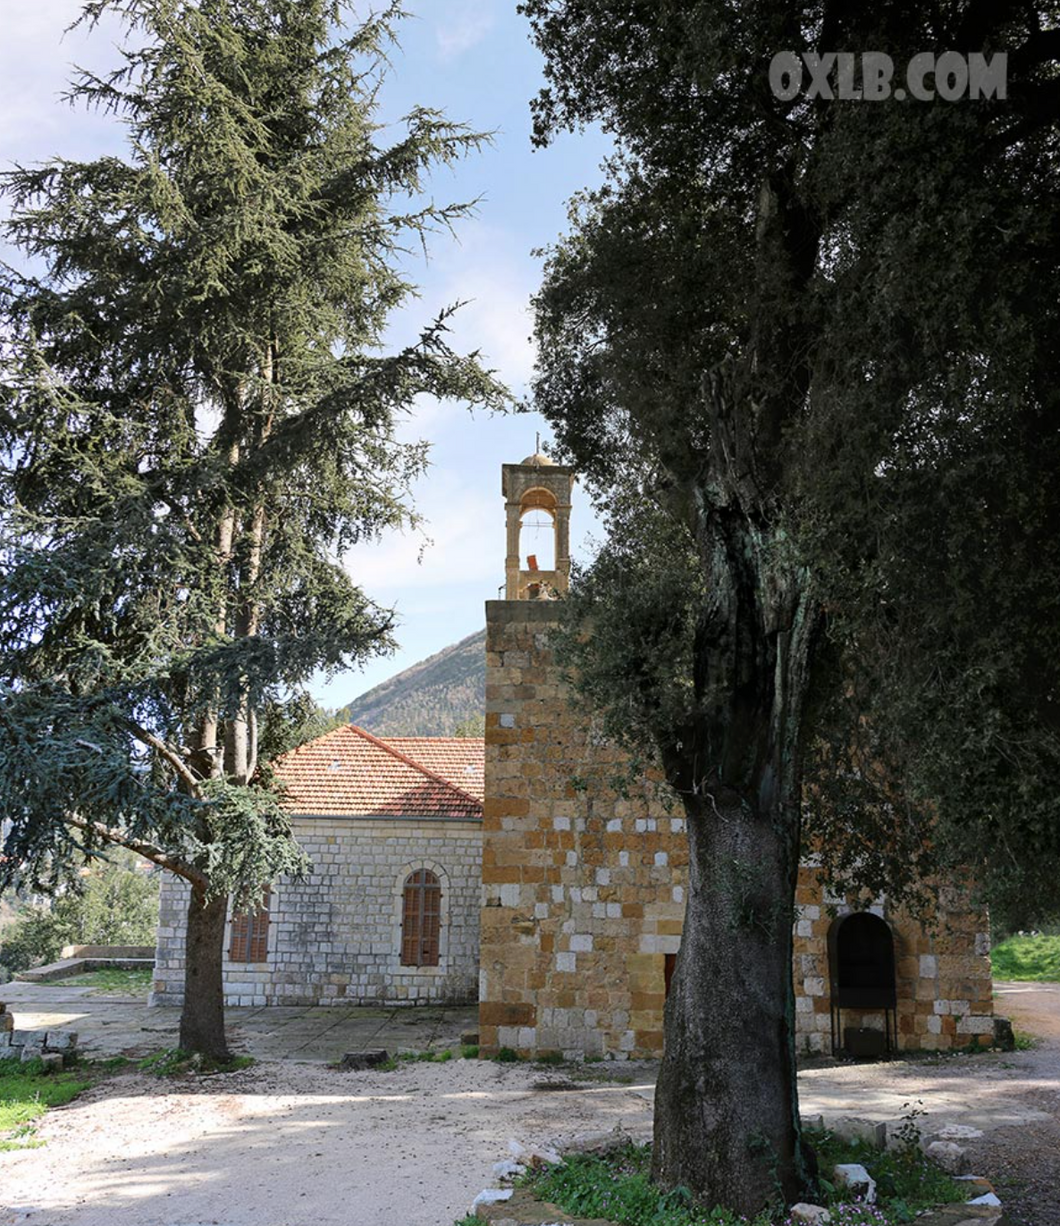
[(250, 934), (421, 919)]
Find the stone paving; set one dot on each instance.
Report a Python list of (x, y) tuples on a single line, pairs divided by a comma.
[(110, 1025)]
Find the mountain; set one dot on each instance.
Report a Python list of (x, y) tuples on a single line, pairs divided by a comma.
[(431, 698)]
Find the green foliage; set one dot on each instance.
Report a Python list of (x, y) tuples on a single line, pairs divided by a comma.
[(815, 339), (1027, 956), (907, 1182), (469, 1051), (199, 416), (286, 725), (173, 1062), (426, 1057), (617, 1186), (475, 726), (506, 1055), (113, 903), (26, 1093)]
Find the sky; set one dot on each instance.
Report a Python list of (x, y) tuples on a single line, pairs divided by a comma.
[(473, 60)]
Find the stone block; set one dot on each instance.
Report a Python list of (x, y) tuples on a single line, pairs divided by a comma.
[(7, 1023), (30, 1052), (29, 1038), (853, 1176), (61, 1040), (975, 1025), (950, 1156), (813, 1215), (488, 1197), (52, 1061), (851, 1128)]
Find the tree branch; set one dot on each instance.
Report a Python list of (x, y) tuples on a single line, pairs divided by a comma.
[(165, 751), (155, 854)]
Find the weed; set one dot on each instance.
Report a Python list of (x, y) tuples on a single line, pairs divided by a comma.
[(469, 1051), (172, 1062), (425, 1057), (112, 1064), (506, 1056), (1024, 1041), (618, 1186), (550, 1057)]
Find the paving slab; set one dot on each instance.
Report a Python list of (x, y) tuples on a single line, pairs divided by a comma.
[(111, 1025)]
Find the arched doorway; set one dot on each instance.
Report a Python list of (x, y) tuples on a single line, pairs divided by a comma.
[(862, 972)]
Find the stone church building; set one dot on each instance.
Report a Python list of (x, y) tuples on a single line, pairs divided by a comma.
[(439, 863)]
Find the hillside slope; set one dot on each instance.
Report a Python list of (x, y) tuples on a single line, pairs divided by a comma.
[(429, 699)]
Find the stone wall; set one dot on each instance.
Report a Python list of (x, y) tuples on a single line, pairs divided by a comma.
[(335, 937), (583, 889)]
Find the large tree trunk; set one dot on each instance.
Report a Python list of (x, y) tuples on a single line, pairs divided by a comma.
[(726, 1112), (202, 1020), (726, 1106)]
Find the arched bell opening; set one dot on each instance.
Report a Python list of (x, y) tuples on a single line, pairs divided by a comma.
[(538, 530), (861, 968), (537, 495)]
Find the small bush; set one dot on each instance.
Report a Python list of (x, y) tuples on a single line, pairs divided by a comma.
[(506, 1056), (469, 1051)]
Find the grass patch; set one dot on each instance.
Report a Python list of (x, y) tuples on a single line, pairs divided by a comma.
[(426, 1057), (26, 1093), (469, 1051), (1024, 1041), (617, 1186), (108, 981), (1034, 958), (172, 1062), (507, 1055)]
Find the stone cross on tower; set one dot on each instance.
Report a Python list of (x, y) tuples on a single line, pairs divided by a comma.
[(537, 484)]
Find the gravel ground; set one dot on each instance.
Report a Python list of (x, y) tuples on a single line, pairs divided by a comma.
[(289, 1144), (285, 1144)]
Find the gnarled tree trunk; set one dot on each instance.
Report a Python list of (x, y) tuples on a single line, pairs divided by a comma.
[(726, 1107)]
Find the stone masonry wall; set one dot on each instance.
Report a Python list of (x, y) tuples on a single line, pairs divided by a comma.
[(583, 890), (335, 937), (945, 990)]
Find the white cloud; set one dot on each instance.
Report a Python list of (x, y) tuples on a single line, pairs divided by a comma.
[(466, 543), (463, 28)]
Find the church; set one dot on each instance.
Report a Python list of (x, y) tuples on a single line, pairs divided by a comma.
[(453, 869)]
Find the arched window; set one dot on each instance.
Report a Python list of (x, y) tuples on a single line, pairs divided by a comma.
[(421, 919)]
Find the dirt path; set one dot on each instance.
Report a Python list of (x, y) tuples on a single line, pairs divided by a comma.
[(290, 1145), (1024, 1161)]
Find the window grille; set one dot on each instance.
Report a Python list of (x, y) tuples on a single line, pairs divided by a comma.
[(250, 934), (421, 919)]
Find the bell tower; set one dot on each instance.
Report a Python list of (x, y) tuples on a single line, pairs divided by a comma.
[(537, 484)]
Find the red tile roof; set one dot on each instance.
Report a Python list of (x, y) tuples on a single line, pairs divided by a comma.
[(460, 759), (348, 772)]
